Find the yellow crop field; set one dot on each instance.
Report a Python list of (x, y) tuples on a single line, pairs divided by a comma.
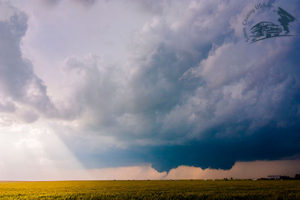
[(181, 189)]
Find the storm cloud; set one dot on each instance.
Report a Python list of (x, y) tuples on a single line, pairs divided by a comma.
[(189, 90)]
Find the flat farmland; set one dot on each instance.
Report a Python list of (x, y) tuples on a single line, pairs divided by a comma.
[(165, 189)]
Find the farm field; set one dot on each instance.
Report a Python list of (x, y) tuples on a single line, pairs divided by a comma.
[(180, 189), (183, 189)]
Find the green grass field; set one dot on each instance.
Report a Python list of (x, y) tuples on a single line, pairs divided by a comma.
[(194, 189)]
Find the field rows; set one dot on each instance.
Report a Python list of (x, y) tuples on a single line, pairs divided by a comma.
[(189, 189)]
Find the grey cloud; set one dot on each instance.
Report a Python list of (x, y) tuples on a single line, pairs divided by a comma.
[(149, 6), (193, 78), (7, 106), (86, 2), (189, 88), (51, 2), (144, 99), (29, 116), (101, 96), (17, 78), (81, 2)]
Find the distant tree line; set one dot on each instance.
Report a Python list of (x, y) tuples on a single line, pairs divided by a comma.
[(279, 177)]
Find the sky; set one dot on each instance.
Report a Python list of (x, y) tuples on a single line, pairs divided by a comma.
[(141, 89)]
